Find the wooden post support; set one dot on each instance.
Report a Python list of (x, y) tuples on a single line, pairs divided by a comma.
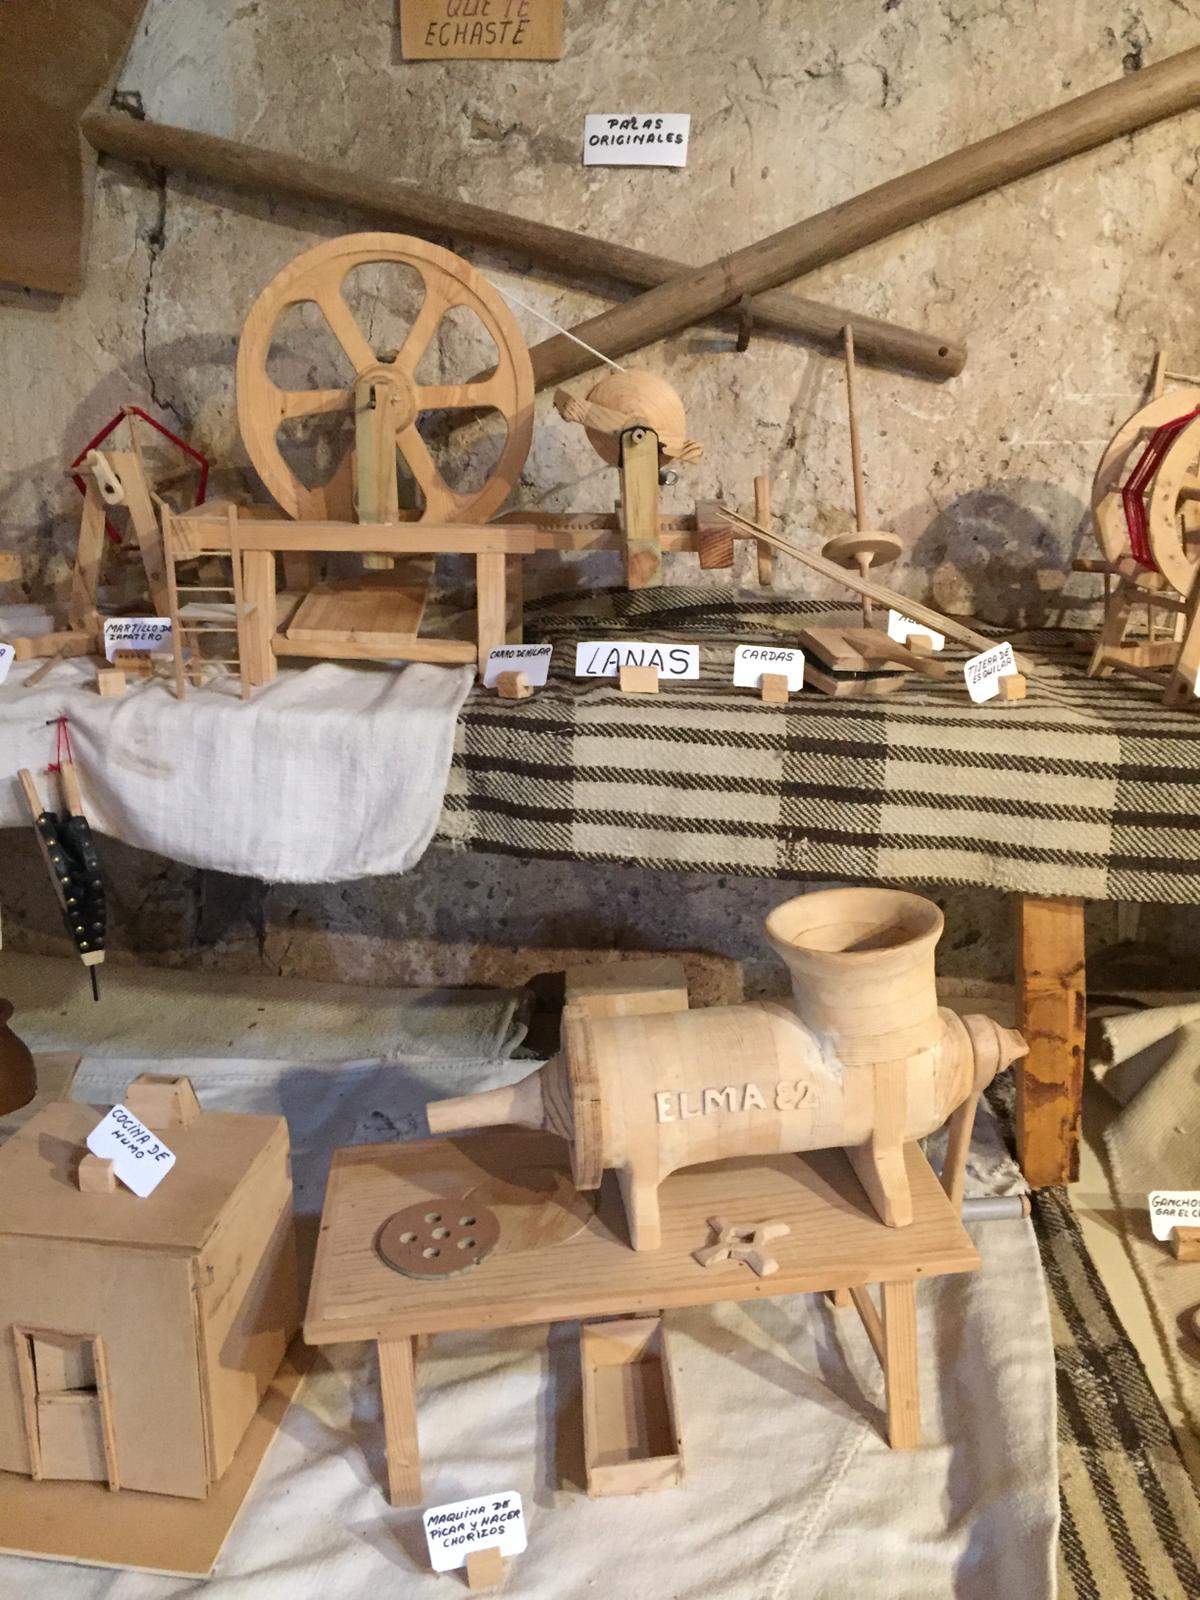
[(638, 509), (398, 1386), (1051, 1016), (639, 680), (485, 1568), (900, 1365)]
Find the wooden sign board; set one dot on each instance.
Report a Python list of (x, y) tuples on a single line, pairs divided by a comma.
[(481, 30)]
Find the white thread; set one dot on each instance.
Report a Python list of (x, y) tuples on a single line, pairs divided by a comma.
[(550, 323)]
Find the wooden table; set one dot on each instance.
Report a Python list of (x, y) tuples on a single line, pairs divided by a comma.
[(836, 1246)]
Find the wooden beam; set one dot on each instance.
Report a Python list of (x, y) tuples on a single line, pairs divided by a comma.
[(1081, 124), (1051, 999), (577, 255)]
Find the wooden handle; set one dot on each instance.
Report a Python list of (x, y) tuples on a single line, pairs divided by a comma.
[(404, 205), (72, 799), (1081, 124), (32, 798)]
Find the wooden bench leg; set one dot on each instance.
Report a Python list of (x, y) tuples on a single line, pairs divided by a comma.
[(900, 1365), (398, 1386), (1051, 1013)]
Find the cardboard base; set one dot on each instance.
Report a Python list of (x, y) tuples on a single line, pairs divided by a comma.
[(86, 1523)]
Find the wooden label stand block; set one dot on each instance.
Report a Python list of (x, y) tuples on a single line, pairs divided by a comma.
[(96, 1175), (513, 686), (110, 682), (773, 687), (485, 1568), (639, 680)]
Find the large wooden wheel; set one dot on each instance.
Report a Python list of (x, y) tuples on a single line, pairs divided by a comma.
[(318, 276), (1119, 459)]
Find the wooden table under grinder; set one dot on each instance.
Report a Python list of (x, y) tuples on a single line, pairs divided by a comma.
[(836, 1245)]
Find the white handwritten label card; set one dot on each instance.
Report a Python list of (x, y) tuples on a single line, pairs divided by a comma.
[(531, 659), (140, 1159), (636, 139), (6, 660), (494, 1521), (983, 672), (604, 658), (1173, 1208), (135, 633), (751, 661), (902, 630)]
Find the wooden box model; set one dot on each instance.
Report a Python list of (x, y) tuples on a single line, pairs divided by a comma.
[(137, 1336)]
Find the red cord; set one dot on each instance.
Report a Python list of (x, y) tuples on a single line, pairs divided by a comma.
[(62, 745), (1133, 495), (121, 416)]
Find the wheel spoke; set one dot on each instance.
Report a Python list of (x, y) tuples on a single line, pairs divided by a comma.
[(308, 402), (425, 325), (441, 502), (450, 396), (346, 330)]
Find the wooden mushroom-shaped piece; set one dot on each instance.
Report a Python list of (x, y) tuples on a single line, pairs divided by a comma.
[(862, 551), (630, 399)]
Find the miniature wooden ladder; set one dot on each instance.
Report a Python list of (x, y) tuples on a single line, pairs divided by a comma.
[(198, 627)]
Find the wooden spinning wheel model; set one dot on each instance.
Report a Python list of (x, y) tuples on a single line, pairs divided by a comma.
[(635, 421), (389, 387), (1146, 512)]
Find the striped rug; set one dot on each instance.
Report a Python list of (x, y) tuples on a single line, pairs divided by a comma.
[(1086, 788), (1130, 1512)]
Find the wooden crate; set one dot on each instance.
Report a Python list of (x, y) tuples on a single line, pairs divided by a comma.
[(630, 1420)]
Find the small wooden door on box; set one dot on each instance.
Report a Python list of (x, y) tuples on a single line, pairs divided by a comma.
[(64, 1395)]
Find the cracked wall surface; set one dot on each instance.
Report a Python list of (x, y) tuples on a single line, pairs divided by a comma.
[(1062, 285)]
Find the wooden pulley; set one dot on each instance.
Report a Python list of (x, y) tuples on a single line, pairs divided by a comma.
[(624, 400), (318, 276)]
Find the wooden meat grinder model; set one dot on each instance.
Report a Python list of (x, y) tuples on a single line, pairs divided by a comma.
[(634, 420), (1146, 511), (863, 1058)]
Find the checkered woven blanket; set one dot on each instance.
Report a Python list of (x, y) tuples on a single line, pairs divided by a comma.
[(1087, 787)]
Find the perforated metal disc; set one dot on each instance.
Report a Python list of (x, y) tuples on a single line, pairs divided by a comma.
[(437, 1238)]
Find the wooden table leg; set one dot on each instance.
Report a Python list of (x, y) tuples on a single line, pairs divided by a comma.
[(900, 1365), (398, 1386), (1051, 1013)]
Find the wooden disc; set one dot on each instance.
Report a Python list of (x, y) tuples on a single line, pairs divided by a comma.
[(845, 548), (537, 1207), (438, 1238), (639, 397)]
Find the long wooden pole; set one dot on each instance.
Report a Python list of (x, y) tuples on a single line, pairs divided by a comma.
[(1081, 124), (913, 609), (245, 166)]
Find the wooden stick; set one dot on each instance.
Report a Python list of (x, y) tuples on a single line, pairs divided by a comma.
[(860, 498), (577, 254), (913, 609), (1081, 124)]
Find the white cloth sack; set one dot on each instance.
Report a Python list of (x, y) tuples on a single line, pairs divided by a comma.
[(790, 1488), (326, 774)]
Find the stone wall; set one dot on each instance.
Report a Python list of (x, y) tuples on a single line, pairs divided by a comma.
[(1063, 286)]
